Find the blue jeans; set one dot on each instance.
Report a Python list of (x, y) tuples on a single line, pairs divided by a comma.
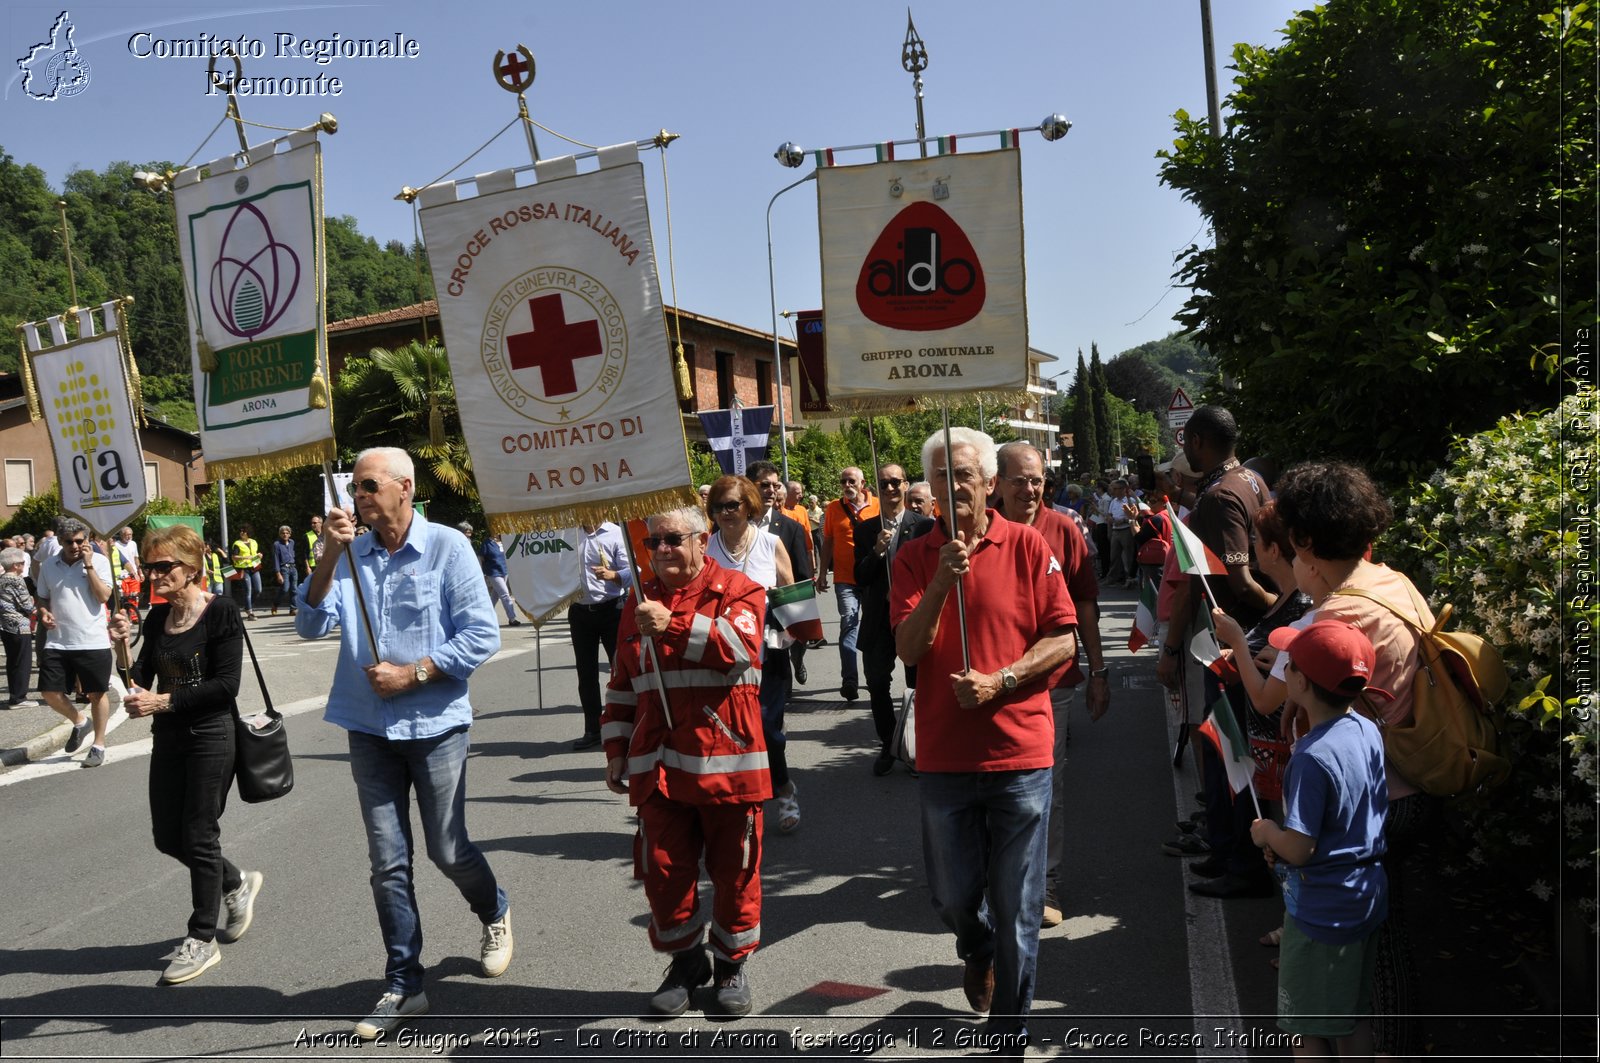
[(385, 773), (286, 589), (983, 839), (849, 624), (251, 579), (776, 683)]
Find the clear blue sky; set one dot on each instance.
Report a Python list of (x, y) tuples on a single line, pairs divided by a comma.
[(735, 78)]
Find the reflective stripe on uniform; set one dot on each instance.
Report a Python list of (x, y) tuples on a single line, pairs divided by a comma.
[(621, 697), (735, 942), (608, 731), (741, 656), (699, 637), (679, 933), (685, 678), (724, 764)]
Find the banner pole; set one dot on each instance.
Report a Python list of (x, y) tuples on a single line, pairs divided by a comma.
[(648, 643), (538, 660), (950, 502), (355, 574)]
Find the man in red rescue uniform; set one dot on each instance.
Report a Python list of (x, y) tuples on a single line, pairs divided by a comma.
[(696, 768)]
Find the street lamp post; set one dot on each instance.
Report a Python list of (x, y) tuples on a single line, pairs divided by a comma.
[(790, 155)]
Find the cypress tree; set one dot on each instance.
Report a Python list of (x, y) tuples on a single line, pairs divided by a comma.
[(1085, 440), (1104, 439)]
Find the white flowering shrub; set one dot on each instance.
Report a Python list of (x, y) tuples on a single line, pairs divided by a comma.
[(1507, 535)]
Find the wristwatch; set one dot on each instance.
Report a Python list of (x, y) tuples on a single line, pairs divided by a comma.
[(1008, 680), (1100, 673), (423, 675), (1170, 651)]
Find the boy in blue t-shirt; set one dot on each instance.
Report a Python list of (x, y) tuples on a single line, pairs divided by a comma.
[(1334, 800)]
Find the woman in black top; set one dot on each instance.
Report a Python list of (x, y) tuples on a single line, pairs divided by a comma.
[(191, 655)]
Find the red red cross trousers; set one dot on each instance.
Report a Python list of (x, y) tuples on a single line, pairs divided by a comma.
[(554, 345), (511, 70)]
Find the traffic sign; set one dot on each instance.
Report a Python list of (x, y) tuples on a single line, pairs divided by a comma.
[(1179, 410)]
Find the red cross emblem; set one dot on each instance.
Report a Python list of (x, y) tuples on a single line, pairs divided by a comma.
[(554, 346), (513, 71)]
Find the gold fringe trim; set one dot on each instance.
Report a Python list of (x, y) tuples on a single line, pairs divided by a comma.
[(208, 356), (544, 617), (125, 342), (891, 404), (621, 510), (680, 372), (29, 387), (279, 460)]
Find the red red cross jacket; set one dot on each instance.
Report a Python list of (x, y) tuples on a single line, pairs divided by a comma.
[(710, 657)]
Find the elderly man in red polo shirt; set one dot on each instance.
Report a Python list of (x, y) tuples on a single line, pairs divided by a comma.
[(985, 732)]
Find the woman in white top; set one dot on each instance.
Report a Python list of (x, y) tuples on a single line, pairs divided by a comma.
[(738, 544)]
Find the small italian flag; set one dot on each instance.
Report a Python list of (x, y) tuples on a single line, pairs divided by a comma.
[(824, 157), (1144, 620), (1008, 138), (947, 145), (1194, 556), (794, 607), (1221, 729), (886, 151)]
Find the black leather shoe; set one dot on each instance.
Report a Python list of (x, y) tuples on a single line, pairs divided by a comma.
[(800, 673), (690, 968), (849, 691), (733, 989), (588, 740), (1213, 866), (883, 764), (1230, 886)]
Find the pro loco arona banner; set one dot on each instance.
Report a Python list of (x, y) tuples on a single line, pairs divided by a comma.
[(86, 390), (923, 287), (551, 311), (250, 237)]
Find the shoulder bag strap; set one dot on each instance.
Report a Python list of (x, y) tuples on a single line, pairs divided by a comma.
[(266, 696)]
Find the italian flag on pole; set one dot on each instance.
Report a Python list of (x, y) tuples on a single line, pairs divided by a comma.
[(794, 607), (1194, 556), (1144, 621), (1221, 729)]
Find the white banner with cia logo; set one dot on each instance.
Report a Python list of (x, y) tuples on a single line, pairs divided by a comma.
[(551, 311), (544, 570), (923, 288), (81, 389)]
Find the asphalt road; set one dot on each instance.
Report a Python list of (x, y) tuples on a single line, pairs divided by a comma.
[(853, 961)]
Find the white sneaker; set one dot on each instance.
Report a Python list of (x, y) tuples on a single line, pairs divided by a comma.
[(96, 757), (392, 1010), (194, 958), (240, 905), (497, 946)]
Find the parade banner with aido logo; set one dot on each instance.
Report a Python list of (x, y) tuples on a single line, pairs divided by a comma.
[(923, 287), (251, 242), (551, 312), (86, 392)]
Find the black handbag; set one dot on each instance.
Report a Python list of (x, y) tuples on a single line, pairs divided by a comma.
[(261, 762)]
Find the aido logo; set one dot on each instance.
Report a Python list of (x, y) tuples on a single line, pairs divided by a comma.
[(922, 273)]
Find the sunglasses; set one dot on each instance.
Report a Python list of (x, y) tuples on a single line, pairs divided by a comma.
[(161, 568), (75, 542), (656, 542), (369, 485), (727, 507), (887, 485)]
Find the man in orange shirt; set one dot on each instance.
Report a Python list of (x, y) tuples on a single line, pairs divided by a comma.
[(853, 505)]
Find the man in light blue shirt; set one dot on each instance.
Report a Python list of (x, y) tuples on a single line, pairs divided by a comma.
[(604, 577), (406, 713)]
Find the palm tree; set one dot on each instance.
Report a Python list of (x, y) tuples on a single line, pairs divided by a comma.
[(406, 398)]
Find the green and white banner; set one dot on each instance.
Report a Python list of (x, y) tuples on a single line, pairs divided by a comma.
[(250, 237), (544, 570)]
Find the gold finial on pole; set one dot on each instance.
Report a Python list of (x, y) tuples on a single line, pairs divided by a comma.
[(514, 72)]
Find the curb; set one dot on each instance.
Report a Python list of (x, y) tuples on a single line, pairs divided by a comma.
[(38, 747)]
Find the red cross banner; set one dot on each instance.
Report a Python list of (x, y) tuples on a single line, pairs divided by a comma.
[(551, 311), (250, 239), (86, 391), (923, 289)]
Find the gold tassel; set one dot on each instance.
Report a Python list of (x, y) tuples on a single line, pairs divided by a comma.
[(685, 385), (208, 357), (317, 392), (435, 425)]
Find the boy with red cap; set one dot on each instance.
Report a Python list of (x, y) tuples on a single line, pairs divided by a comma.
[(1334, 799)]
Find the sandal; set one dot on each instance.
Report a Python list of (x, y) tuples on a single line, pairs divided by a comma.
[(1272, 938), (789, 810)]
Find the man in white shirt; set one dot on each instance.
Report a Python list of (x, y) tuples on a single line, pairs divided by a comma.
[(1120, 511), (605, 577), (74, 586)]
